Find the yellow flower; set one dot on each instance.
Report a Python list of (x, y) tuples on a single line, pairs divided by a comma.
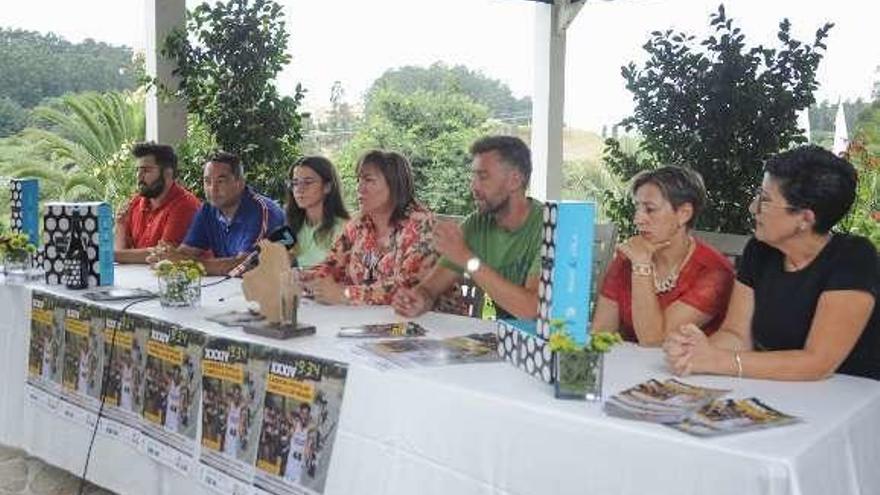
[(16, 243), (561, 341), (163, 267), (189, 269), (604, 341)]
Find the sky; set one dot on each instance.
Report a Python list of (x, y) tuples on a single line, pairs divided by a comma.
[(355, 41)]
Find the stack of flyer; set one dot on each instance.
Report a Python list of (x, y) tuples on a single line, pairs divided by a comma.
[(696, 410)]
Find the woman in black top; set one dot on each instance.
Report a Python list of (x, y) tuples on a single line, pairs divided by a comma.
[(803, 306)]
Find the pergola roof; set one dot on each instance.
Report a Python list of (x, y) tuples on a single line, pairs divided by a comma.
[(166, 119)]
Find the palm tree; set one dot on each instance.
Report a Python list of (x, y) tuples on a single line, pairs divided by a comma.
[(86, 138)]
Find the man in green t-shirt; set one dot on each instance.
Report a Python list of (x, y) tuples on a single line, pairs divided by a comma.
[(499, 245)]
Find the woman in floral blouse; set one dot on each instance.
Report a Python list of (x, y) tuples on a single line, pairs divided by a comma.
[(386, 246)]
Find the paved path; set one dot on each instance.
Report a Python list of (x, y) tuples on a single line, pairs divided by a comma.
[(21, 474)]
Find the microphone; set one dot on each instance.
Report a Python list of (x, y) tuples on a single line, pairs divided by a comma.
[(282, 235)]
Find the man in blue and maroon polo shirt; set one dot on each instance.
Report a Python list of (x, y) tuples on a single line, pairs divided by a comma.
[(227, 227)]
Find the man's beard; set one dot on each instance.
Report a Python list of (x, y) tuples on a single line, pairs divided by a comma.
[(154, 190), (496, 209)]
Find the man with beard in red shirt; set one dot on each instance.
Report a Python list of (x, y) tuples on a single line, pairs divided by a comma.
[(162, 209)]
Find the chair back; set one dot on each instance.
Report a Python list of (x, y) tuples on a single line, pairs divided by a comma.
[(604, 246), (730, 245), (473, 297)]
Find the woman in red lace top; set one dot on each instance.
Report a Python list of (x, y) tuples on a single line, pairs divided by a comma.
[(386, 246), (663, 277)]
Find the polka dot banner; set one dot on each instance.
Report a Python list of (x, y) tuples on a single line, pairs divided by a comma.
[(96, 220)]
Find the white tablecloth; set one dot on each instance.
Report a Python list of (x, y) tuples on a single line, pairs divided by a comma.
[(486, 428)]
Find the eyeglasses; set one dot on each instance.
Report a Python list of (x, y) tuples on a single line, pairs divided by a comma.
[(761, 201), (300, 183)]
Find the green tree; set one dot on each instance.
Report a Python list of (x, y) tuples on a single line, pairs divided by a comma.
[(864, 216), (35, 66), (13, 118), (227, 60), (441, 78), (191, 153), (721, 108), (866, 129), (624, 158), (864, 153), (433, 130)]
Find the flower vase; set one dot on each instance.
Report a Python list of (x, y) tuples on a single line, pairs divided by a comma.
[(176, 290), (579, 375), (17, 266)]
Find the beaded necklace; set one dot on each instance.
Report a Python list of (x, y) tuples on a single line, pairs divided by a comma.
[(669, 282)]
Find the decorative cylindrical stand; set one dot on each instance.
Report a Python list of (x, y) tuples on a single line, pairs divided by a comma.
[(579, 375), (176, 290), (289, 297), (17, 266)]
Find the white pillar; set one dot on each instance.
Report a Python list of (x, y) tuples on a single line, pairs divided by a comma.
[(841, 133), (166, 117), (547, 103)]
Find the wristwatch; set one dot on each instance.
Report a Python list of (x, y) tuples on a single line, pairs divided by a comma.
[(472, 266), (643, 269)]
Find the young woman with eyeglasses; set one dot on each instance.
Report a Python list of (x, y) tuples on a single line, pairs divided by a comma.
[(804, 305), (314, 208)]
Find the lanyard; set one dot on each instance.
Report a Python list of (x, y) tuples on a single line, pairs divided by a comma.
[(264, 225)]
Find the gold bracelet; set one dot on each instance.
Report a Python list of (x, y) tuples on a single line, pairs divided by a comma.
[(739, 364), (643, 269)]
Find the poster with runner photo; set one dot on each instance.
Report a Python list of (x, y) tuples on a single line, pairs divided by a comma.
[(83, 356), (232, 391), (46, 343), (172, 386), (123, 367), (300, 413)]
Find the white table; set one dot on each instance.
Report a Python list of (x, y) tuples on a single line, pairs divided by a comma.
[(487, 428)]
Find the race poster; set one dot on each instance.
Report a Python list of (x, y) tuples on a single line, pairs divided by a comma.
[(172, 384), (232, 392), (300, 413), (124, 358), (45, 352), (83, 355), (244, 418), (46, 343)]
